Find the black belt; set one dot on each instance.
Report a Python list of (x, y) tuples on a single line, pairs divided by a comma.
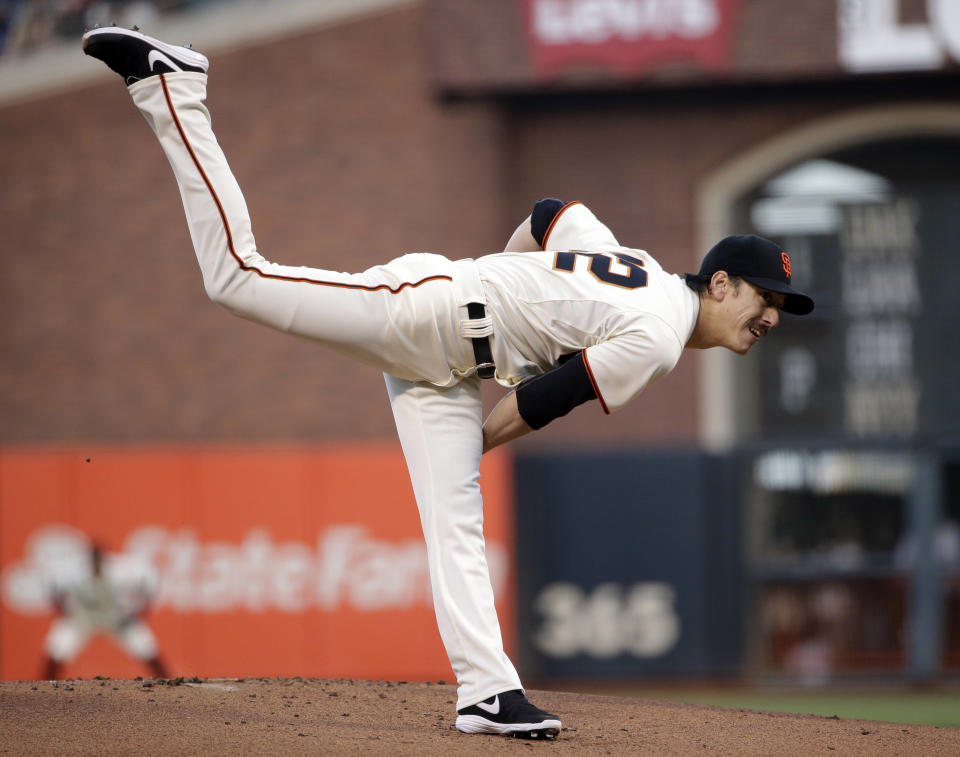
[(481, 344)]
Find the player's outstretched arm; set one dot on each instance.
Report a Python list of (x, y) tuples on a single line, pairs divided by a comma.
[(504, 423), (522, 239)]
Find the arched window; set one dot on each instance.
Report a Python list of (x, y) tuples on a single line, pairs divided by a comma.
[(872, 231)]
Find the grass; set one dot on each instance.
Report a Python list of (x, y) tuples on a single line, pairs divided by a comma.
[(939, 707), (918, 708)]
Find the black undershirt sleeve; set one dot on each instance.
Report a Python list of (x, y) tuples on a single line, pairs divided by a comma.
[(543, 214), (555, 393)]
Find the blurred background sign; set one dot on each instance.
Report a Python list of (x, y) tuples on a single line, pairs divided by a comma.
[(870, 234), (629, 37), (267, 561), (628, 564)]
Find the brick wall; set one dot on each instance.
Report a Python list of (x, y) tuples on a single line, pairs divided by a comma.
[(347, 158)]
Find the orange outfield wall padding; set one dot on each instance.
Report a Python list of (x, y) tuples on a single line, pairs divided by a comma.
[(266, 561)]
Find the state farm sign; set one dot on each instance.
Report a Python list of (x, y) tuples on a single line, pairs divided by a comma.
[(264, 560), (629, 36), (346, 567)]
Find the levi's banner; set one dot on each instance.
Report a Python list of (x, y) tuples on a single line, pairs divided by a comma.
[(628, 37), (265, 561)]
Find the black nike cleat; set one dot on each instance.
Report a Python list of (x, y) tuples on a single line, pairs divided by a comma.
[(509, 713), (136, 56)]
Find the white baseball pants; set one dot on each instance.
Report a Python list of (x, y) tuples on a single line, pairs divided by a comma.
[(68, 636), (408, 318)]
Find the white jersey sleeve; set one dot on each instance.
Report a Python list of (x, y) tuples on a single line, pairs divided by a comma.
[(575, 227), (621, 367)]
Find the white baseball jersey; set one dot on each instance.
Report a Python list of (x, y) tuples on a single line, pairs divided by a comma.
[(630, 316)]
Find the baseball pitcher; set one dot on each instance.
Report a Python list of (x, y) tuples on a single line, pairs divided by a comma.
[(565, 315)]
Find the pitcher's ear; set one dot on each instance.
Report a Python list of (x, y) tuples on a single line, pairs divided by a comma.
[(719, 284)]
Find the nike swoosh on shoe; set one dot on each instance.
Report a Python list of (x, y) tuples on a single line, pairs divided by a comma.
[(155, 56), (494, 708)]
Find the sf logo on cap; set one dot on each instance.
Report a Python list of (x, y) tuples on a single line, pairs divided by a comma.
[(786, 263)]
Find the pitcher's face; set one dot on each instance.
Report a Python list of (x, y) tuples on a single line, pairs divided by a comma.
[(748, 313)]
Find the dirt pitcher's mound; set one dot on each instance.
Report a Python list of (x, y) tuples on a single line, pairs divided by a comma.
[(313, 716)]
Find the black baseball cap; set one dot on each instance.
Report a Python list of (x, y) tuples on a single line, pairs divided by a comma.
[(759, 261)]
